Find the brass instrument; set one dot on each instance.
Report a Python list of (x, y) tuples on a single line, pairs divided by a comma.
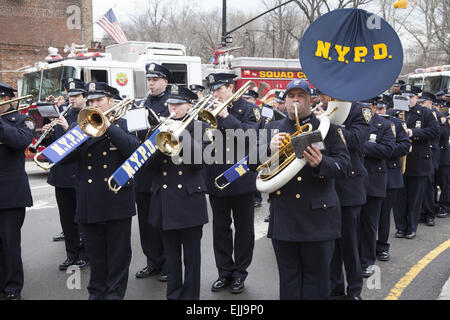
[(92, 121), (168, 141), (210, 117), (286, 154), (28, 97)]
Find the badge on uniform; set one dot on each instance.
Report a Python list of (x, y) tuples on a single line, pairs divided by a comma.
[(29, 122), (92, 87), (443, 120), (71, 85), (257, 113), (341, 134), (418, 124), (367, 113)]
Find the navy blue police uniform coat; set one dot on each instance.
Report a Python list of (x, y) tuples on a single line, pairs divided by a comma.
[(355, 130), (315, 214), (151, 238), (305, 217), (443, 176), (16, 133)]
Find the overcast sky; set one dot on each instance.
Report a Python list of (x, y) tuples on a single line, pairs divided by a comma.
[(124, 9)]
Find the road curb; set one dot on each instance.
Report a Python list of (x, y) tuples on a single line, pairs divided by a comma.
[(445, 293)]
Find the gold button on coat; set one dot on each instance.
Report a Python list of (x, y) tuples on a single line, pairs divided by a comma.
[(278, 192), (105, 166), (89, 155), (105, 153), (297, 196), (180, 186), (164, 173), (165, 186), (299, 178), (89, 167), (90, 181)]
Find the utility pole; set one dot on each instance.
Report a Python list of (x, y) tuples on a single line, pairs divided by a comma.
[(224, 23)]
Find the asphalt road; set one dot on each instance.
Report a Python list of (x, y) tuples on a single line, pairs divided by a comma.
[(43, 280)]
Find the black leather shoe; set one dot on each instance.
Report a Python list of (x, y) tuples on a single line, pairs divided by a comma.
[(63, 266), (13, 296), (367, 272), (148, 271), (163, 277), (383, 255), (82, 264), (411, 235), (400, 234), (442, 214), (220, 284), (59, 237), (237, 286), (430, 222)]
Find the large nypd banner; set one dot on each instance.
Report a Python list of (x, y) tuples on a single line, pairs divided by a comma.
[(129, 168), (351, 54), (59, 149)]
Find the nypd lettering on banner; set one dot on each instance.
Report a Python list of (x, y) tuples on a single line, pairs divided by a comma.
[(339, 45), (59, 149), (129, 168)]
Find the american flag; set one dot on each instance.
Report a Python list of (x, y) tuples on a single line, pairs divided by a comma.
[(112, 27)]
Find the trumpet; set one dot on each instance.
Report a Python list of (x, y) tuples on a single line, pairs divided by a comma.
[(34, 147), (92, 121), (168, 141), (28, 97), (210, 117)]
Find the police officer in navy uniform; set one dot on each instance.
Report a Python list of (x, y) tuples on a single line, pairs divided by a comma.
[(62, 177), (422, 128), (305, 216), (16, 133), (395, 176), (430, 205), (355, 130), (158, 78), (104, 217), (396, 88), (280, 97), (377, 149), (197, 89), (237, 198), (178, 203)]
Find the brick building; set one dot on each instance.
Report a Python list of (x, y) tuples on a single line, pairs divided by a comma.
[(29, 27)]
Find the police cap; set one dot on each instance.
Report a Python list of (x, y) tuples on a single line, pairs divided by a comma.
[(217, 80), (179, 94)]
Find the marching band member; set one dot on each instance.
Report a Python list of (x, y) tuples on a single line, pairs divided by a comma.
[(62, 177), (305, 214), (197, 89), (377, 149), (103, 216), (355, 130), (16, 133), (237, 199), (395, 176), (178, 205), (422, 127), (151, 237)]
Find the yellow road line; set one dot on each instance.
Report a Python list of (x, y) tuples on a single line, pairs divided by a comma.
[(400, 286)]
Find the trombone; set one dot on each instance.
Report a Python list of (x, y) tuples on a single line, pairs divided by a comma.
[(28, 97), (168, 141), (210, 117), (92, 121)]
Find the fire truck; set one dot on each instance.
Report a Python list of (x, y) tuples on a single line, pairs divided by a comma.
[(433, 79)]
